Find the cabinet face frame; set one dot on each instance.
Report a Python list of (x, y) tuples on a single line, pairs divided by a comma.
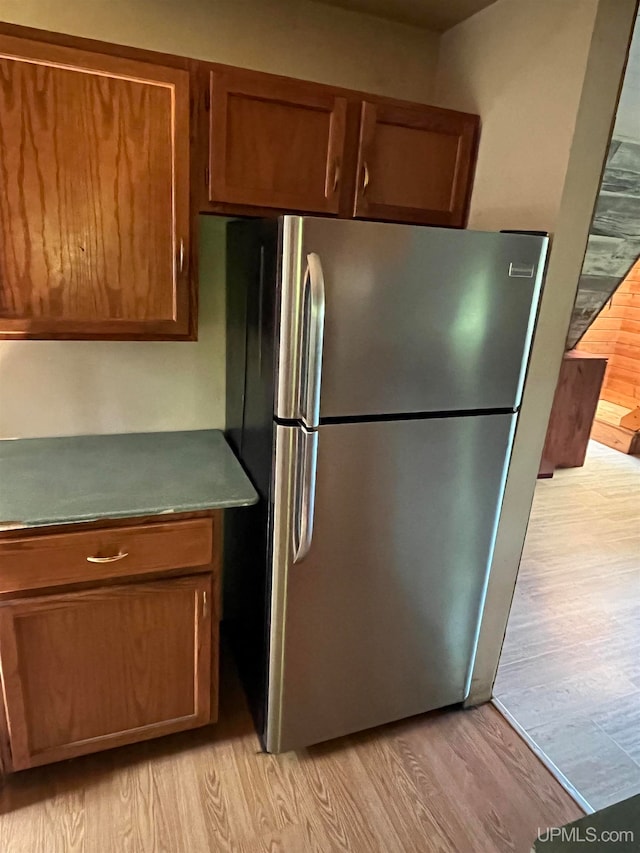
[(19, 754), (176, 80), (227, 83), (464, 126)]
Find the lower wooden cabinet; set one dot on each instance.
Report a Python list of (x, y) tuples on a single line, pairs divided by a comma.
[(89, 670)]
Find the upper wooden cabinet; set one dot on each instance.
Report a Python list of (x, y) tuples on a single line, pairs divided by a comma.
[(275, 142), (287, 145), (415, 164), (99, 143), (94, 208)]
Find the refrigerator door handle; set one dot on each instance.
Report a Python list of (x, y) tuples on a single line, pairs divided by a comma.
[(312, 342), (305, 492)]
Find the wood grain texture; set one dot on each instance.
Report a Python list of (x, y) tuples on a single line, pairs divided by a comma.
[(618, 437), (276, 145), (86, 671), (458, 782), (275, 142), (570, 666), (42, 560), (428, 172), (611, 412), (616, 333), (631, 419), (415, 164), (94, 216), (574, 409), (612, 436)]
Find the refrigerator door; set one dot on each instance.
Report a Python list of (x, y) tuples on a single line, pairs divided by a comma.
[(415, 319), (378, 620)]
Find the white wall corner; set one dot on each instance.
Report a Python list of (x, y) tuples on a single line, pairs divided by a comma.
[(604, 70)]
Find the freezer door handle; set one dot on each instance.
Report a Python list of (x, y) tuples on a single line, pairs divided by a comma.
[(305, 492), (312, 341)]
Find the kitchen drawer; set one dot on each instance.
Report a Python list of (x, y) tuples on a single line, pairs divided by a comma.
[(37, 562)]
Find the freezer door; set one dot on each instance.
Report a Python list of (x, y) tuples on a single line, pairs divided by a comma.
[(415, 319), (378, 620)]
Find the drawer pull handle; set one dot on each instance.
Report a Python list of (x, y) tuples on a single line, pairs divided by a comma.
[(112, 559)]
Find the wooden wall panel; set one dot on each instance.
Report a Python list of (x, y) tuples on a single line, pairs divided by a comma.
[(610, 322), (608, 336), (616, 334), (629, 363), (598, 348)]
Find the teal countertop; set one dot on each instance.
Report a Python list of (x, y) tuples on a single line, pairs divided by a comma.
[(90, 477)]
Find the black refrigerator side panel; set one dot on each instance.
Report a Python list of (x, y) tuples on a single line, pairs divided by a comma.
[(238, 273), (251, 296)]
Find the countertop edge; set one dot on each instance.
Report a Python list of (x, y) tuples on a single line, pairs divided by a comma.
[(141, 512)]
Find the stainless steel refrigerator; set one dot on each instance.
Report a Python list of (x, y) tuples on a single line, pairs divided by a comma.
[(374, 376)]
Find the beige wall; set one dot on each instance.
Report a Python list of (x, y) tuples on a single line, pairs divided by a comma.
[(521, 66), (544, 77), (298, 38), (65, 388), (87, 387)]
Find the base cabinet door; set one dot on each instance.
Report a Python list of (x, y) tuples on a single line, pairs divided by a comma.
[(415, 164), (87, 671)]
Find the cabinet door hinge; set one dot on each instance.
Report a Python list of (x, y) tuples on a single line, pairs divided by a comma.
[(205, 605), (206, 176), (207, 100)]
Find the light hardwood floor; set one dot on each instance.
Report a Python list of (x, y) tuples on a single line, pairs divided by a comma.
[(458, 781), (570, 668)]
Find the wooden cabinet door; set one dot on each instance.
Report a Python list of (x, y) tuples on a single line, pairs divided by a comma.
[(274, 142), (94, 207), (415, 164), (88, 671)]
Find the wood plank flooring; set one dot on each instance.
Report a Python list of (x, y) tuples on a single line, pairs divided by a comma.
[(570, 668), (459, 781)]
